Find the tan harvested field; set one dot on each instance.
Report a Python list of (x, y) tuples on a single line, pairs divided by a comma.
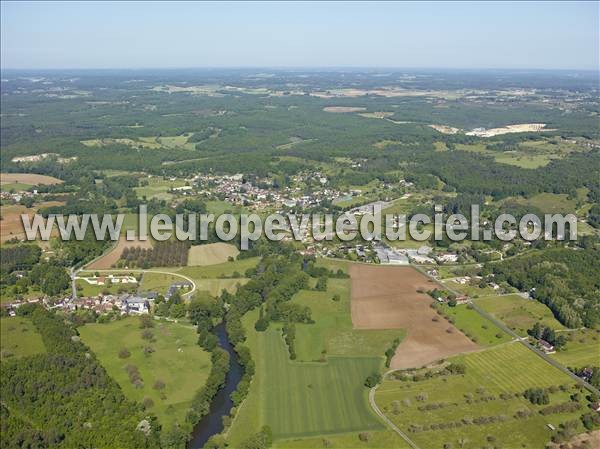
[(343, 109), (387, 298), (110, 258), (378, 114), (211, 254), (28, 178), (11, 225)]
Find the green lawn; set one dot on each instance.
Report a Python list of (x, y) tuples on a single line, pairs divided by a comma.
[(519, 313), (214, 287), (158, 282), (474, 325), (158, 188), (177, 360), (299, 399), (223, 269), (19, 338), (583, 349), (470, 290), (85, 289), (508, 369)]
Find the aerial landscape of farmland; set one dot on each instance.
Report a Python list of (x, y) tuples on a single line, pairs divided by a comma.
[(300, 225)]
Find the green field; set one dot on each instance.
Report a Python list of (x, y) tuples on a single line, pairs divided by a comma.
[(85, 289), (158, 282), (177, 360), (472, 291), (158, 188), (332, 330), (509, 370), (582, 349), (519, 313), (221, 270), (378, 439), (214, 287), (19, 338), (299, 399), (473, 325)]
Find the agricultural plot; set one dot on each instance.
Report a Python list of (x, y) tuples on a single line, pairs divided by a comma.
[(298, 399), (485, 405), (19, 338), (211, 254), (474, 326), (223, 270), (582, 349), (332, 332), (28, 179), (176, 360), (394, 298), (158, 188), (379, 439), (109, 259), (215, 287), (158, 282), (519, 313), (11, 225), (86, 289)]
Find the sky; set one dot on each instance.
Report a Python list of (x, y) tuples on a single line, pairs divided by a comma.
[(510, 35)]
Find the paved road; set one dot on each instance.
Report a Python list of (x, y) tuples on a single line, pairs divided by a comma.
[(374, 406)]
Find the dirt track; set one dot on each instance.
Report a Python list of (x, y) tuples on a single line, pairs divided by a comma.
[(387, 298)]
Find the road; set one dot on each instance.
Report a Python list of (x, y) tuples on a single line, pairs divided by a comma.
[(374, 406)]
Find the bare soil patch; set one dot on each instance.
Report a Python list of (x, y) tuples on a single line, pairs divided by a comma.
[(387, 298), (445, 129), (211, 254), (110, 258), (343, 109), (11, 225), (28, 178)]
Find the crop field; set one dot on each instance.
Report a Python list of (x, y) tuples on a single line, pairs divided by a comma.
[(332, 332), (211, 254), (28, 178), (177, 361), (491, 387), (395, 298), (19, 338), (519, 313), (582, 349), (11, 225), (110, 258), (327, 398), (473, 325)]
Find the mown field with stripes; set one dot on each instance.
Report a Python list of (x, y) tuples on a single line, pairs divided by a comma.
[(483, 406), (304, 399)]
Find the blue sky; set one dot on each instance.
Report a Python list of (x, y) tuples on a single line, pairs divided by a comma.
[(546, 35)]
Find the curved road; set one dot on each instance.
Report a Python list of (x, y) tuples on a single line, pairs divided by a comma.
[(74, 273)]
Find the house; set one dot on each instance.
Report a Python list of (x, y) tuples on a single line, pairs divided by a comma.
[(462, 299), (135, 304), (176, 286), (546, 347), (446, 258)]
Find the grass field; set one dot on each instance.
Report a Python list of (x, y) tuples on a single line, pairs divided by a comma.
[(583, 349), (85, 289), (28, 178), (508, 369), (472, 324), (220, 270), (158, 188), (551, 203), (177, 360), (378, 439), (519, 313), (214, 287), (158, 282), (298, 399), (472, 291), (211, 254), (19, 338), (332, 330)]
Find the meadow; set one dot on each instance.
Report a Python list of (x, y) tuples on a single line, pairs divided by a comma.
[(519, 313), (158, 188), (491, 386), (19, 338), (300, 399), (177, 361), (582, 349), (475, 326)]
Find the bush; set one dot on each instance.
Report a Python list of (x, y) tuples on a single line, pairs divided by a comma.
[(159, 385), (372, 380), (124, 353)]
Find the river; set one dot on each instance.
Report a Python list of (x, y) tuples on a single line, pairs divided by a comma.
[(212, 423)]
